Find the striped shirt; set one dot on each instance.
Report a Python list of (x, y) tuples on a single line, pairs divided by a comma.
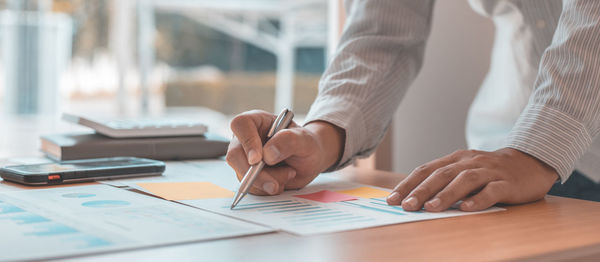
[(541, 95)]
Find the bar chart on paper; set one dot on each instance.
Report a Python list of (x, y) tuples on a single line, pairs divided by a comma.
[(327, 205)]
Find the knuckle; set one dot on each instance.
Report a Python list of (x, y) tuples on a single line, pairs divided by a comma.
[(287, 135), (229, 158), (473, 152), (235, 122), (470, 176), (460, 152), (444, 172), (421, 169), (480, 158), (301, 131)]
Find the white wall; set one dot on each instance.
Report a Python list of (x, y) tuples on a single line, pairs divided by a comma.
[(430, 121)]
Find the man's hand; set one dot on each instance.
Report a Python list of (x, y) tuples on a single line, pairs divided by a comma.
[(480, 178), (295, 156)]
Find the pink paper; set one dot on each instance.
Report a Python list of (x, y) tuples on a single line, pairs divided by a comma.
[(327, 196)]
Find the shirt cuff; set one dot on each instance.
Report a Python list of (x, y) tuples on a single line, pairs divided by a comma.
[(551, 136), (344, 114)]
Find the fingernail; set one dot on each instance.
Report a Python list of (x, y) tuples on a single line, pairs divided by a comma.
[(291, 174), (411, 202), (434, 202), (469, 203), (252, 157), (269, 187), (272, 153), (394, 197)]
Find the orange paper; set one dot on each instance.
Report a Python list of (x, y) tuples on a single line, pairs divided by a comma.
[(186, 190), (365, 192)]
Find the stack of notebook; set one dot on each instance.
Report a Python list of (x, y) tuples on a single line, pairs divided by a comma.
[(155, 140)]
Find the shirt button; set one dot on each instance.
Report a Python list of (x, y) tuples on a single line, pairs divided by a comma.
[(540, 23)]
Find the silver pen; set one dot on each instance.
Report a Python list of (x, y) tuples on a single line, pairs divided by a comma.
[(282, 121)]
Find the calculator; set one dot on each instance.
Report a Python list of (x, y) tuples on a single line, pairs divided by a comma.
[(140, 127)]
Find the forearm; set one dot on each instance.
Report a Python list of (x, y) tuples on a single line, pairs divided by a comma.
[(379, 55), (563, 116)]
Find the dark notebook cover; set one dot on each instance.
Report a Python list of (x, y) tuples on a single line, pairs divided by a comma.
[(91, 145)]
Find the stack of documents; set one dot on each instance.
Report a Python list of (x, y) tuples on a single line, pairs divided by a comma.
[(326, 205), (80, 220), (69, 221)]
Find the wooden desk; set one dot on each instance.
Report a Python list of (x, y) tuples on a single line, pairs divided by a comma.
[(554, 229)]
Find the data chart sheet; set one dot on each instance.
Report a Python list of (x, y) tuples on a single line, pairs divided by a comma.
[(326, 205), (69, 221)]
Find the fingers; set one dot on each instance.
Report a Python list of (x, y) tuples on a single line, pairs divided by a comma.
[(246, 128), (434, 183), (272, 181), (491, 194), (417, 176), (236, 158), (286, 143), (467, 181), (250, 128)]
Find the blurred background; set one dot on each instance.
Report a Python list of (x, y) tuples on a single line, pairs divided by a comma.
[(145, 56), (223, 57)]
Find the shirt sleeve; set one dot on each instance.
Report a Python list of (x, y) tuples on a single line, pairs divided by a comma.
[(378, 56), (563, 114)]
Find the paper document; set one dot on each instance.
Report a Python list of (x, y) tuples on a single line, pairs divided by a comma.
[(366, 192), (326, 205), (326, 196), (186, 190), (60, 222), (297, 214)]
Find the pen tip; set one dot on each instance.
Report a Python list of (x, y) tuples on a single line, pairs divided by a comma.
[(232, 206)]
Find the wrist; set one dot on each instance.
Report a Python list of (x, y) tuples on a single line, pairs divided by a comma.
[(546, 169), (331, 140)]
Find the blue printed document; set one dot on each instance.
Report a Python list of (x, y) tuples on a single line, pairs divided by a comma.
[(60, 222)]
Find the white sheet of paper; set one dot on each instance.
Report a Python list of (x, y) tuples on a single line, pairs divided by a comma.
[(181, 171), (306, 217), (293, 214), (88, 219)]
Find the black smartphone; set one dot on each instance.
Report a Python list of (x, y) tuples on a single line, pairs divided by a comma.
[(82, 170)]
